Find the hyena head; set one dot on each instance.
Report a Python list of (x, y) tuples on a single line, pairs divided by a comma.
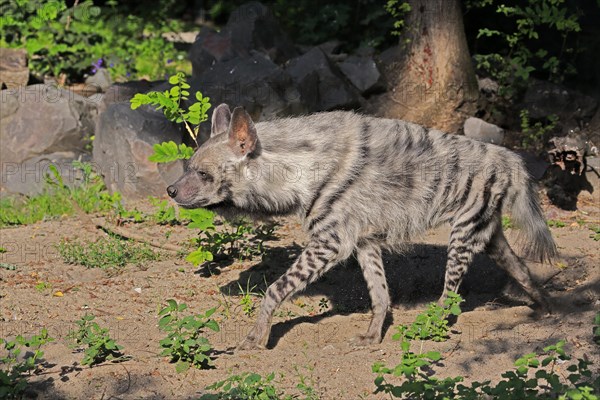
[(211, 171)]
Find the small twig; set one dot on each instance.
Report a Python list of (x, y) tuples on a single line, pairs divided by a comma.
[(138, 238), (554, 275)]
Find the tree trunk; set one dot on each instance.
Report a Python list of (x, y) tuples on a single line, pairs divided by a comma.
[(432, 81)]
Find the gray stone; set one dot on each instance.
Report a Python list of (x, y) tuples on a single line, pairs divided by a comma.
[(362, 72), (100, 80), (13, 68), (42, 119), (124, 140), (29, 177), (544, 98), (476, 128), (123, 92), (314, 73)]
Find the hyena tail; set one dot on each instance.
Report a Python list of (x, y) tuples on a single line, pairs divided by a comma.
[(535, 237)]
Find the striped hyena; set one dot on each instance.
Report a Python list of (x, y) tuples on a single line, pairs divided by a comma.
[(364, 184)]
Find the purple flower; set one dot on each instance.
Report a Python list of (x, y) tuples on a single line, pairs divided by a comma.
[(169, 61), (111, 65)]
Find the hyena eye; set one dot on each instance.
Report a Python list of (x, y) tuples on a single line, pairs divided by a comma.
[(205, 176)]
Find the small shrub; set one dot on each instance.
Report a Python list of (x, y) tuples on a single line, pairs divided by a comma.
[(88, 194), (99, 346), (184, 343), (248, 386), (530, 378), (533, 135), (106, 253), (15, 369)]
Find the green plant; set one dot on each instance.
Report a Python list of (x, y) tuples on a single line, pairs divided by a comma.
[(87, 193), (520, 48), (530, 378), (170, 102), (248, 386), (106, 253), (596, 329), (553, 223), (42, 286), (246, 300), (100, 346), (184, 343), (534, 134), (596, 232), (16, 367), (323, 304), (398, 9), (82, 38), (507, 222)]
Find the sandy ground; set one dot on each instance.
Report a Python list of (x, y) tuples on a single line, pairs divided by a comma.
[(307, 340)]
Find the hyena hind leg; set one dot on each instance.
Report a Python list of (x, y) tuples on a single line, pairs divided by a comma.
[(503, 255), (371, 264)]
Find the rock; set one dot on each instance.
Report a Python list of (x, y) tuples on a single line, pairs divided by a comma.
[(28, 177), (487, 85), (251, 28), (476, 128), (313, 73), (42, 119), (13, 68), (123, 92), (124, 140), (100, 80), (362, 72), (256, 83), (544, 98)]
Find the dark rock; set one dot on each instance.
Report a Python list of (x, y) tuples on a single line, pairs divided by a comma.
[(13, 68), (314, 73), (252, 27), (256, 83), (476, 128), (124, 140), (362, 72), (209, 47), (544, 98), (123, 92), (42, 119)]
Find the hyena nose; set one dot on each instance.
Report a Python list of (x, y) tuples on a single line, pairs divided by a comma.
[(172, 191)]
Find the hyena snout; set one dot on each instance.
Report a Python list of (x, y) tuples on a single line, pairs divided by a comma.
[(172, 191)]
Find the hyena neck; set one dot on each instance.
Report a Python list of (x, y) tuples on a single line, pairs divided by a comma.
[(264, 188)]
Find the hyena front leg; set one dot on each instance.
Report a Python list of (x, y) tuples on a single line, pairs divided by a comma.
[(316, 259)]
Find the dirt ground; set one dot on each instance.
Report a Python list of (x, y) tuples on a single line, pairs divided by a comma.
[(308, 340)]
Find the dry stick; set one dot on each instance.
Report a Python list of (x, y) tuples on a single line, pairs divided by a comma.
[(134, 236), (123, 232)]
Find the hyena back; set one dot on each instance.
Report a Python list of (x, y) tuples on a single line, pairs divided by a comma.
[(364, 184)]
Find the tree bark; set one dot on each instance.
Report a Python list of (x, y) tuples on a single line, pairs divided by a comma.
[(432, 81)]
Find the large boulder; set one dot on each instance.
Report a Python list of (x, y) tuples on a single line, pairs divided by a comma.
[(41, 124), (124, 140), (251, 27), (544, 98), (256, 83), (13, 68), (320, 83)]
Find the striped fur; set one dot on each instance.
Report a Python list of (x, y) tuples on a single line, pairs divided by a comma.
[(364, 184)]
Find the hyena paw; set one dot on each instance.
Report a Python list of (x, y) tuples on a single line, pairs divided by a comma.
[(365, 340), (250, 343)]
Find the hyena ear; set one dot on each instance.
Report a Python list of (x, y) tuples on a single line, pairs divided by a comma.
[(242, 133), (220, 120)]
